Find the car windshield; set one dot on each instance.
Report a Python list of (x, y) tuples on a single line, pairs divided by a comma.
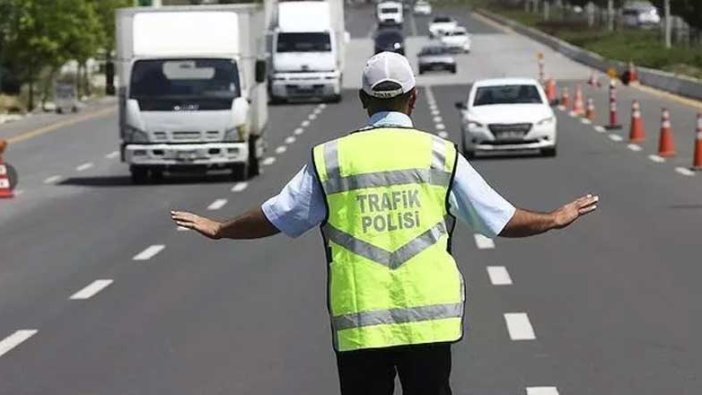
[(433, 51), (303, 42), (185, 78), (442, 19), (387, 37), (507, 94), (389, 10)]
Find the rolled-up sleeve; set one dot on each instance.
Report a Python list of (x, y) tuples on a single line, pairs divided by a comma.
[(476, 204), (299, 207)]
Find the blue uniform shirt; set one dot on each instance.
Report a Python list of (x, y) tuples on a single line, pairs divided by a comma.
[(300, 206)]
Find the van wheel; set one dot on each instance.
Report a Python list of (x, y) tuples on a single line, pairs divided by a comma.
[(140, 174)]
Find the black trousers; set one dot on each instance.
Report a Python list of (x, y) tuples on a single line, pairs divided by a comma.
[(423, 370)]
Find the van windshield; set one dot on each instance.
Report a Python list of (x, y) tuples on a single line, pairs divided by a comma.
[(303, 42), (185, 78)]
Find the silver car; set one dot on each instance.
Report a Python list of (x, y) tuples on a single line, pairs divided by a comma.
[(436, 57)]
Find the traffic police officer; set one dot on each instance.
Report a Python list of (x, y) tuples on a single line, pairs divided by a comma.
[(386, 197)]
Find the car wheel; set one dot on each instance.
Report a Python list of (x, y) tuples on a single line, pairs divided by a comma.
[(140, 174), (549, 152)]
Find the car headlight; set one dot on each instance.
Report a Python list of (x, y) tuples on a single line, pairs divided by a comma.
[(134, 135), (235, 134), (546, 121)]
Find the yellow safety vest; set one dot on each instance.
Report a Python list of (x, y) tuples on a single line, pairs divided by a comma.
[(392, 279)]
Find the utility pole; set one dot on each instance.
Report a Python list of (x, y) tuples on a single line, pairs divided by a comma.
[(668, 27), (610, 15)]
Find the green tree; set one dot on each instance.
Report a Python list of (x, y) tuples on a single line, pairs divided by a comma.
[(689, 10)]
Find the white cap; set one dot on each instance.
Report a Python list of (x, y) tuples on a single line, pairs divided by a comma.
[(387, 67)]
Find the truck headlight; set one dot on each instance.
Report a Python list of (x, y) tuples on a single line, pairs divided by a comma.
[(134, 135), (546, 121), (236, 134)]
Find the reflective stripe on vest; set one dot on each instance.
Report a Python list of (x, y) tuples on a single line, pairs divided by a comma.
[(392, 280)]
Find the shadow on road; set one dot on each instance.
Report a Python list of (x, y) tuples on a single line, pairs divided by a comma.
[(126, 181)]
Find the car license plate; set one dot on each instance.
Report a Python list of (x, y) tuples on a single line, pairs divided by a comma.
[(186, 155), (510, 135)]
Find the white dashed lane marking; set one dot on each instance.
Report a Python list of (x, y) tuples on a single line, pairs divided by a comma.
[(268, 161), (299, 131), (499, 275), (483, 242), (443, 135), (585, 121), (615, 137), (84, 166), (149, 253), (91, 290), (217, 204), (240, 186), (281, 149), (15, 339), (541, 391), (290, 140), (634, 147), (684, 171), (53, 180), (312, 116), (656, 158), (600, 129), (519, 327), (112, 155), (305, 123), (438, 120), (434, 112), (440, 126)]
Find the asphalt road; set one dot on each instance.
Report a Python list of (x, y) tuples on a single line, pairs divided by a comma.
[(613, 302)]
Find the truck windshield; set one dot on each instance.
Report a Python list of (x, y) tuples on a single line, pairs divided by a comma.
[(303, 42), (184, 79)]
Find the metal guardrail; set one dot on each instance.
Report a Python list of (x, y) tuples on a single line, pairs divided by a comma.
[(681, 85)]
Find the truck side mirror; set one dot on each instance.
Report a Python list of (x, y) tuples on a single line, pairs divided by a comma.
[(260, 71)]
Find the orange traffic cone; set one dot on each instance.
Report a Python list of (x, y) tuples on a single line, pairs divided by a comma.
[(633, 73), (578, 105), (697, 158), (666, 145), (593, 81), (565, 97), (636, 129), (551, 90), (613, 118), (5, 189), (590, 110)]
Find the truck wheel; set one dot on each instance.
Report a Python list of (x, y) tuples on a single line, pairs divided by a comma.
[(140, 175), (240, 171)]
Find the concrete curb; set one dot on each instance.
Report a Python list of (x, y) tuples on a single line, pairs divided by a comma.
[(680, 85)]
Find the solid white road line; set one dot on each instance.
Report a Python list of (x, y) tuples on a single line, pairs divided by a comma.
[(217, 204), (299, 131), (53, 180), (685, 171), (656, 158), (499, 275), (281, 149), (600, 129), (112, 155), (84, 166), (483, 243), (615, 137), (290, 140), (149, 253), (634, 147), (440, 126), (542, 391), (519, 326), (305, 123), (268, 161), (443, 134), (91, 290), (15, 340), (240, 186)]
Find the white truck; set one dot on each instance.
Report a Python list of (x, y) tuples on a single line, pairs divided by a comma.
[(192, 93), (307, 49)]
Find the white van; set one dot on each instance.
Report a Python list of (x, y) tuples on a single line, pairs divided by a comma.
[(389, 13)]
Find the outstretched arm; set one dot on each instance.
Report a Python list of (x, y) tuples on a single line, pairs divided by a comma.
[(528, 223), (253, 224)]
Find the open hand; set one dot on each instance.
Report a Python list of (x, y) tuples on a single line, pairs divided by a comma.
[(205, 226), (567, 214)]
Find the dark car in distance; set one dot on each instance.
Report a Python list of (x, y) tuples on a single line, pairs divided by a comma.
[(390, 40)]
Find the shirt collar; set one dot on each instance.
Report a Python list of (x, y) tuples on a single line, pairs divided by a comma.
[(390, 118)]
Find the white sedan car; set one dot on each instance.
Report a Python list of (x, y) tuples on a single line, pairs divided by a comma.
[(422, 8), (457, 40), (510, 114), (440, 25)]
